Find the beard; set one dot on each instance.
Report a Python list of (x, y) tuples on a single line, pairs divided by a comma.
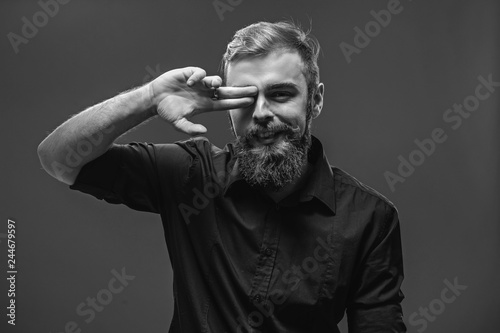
[(273, 166)]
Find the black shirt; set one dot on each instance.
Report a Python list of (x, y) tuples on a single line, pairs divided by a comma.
[(243, 263)]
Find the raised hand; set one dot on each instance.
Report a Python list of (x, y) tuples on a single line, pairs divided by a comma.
[(180, 94)]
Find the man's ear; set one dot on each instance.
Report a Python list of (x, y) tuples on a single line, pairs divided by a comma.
[(317, 105)]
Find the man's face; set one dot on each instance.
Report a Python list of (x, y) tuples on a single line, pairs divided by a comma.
[(281, 97), (272, 134)]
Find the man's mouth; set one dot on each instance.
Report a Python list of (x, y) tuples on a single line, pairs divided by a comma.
[(267, 137)]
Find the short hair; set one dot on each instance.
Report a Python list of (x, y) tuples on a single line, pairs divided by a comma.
[(263, 38)]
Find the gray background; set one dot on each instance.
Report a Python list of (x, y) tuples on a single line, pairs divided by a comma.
[(394, 91)]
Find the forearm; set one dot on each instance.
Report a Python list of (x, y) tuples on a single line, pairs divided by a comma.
[(90, 133)]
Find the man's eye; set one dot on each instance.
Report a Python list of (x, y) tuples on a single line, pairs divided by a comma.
[(281, 95)]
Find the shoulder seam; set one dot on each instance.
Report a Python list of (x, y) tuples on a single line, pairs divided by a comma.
[(343, 176)]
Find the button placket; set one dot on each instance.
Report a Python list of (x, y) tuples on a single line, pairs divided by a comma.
[(266, 260)]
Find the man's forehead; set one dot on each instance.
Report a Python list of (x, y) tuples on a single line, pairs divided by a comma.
[(276, 68)]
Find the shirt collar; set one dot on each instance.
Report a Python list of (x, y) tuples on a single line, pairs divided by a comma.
[(320, 184)]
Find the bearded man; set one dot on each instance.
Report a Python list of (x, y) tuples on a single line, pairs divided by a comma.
[(263, 235)]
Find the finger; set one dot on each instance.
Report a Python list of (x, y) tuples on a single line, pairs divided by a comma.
[(196, 74), (212, 81), (234, 103), (188, 127), (236, 92)]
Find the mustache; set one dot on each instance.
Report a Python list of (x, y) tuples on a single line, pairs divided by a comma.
[(273, 128)]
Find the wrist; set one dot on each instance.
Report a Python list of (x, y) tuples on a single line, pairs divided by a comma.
[(147, 96)]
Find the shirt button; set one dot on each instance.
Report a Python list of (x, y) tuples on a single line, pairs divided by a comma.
[(257, 298), (268, 251)]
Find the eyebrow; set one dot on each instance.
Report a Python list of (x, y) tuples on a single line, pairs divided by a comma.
[(282, 85)]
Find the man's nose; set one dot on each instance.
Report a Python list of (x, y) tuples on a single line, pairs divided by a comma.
[(262, 112)]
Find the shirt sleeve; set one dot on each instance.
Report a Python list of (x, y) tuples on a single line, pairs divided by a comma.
[(139, 175), (375, 302)]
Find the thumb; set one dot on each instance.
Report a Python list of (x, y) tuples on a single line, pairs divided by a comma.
[(188, 127)]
